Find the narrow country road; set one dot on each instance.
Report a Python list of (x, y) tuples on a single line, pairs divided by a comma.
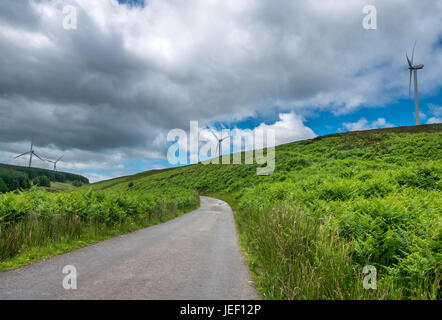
[(195, 256)]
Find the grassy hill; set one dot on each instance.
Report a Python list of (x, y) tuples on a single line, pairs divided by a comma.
[(333, 205), (17, 177)]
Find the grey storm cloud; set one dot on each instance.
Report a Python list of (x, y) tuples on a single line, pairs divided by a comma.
[(128, 75)]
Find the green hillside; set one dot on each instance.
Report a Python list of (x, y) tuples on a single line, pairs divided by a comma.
[(16, 177), (333, 205)]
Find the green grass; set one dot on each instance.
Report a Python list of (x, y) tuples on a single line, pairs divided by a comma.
[(333, 205), (59, 187)]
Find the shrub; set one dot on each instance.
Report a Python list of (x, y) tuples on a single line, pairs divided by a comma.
[(346, 173), (3, 186), (426, 177), (77, 183), (37, 218), (375, 188), (14, 180), (336, 191), (42, 181), (299, 163)]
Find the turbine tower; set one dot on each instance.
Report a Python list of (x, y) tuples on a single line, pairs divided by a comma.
[(414, 68), (220, 140), (55, 162), (31, 153)]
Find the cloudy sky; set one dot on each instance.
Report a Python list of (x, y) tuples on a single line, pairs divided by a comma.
[(107, 93)]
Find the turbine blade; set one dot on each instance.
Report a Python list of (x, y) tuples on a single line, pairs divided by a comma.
[(60, 158), (412, 56), (409, 62), (21, 155), (37, 156), (222, 132), (213, 132)]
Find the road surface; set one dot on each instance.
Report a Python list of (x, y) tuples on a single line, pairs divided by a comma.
[(195, 256)]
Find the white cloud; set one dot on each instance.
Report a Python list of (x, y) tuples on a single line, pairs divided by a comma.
[(422, 116), (364, 124), (436, 112), (434, 120), (94, 177), (289, 128)]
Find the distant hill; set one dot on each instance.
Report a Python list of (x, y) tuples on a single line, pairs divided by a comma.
[(390, 144), (17, 177)]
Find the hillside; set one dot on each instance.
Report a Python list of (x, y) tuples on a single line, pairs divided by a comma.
[(17, 177), (333, 205), (376, 193), (369, 143)]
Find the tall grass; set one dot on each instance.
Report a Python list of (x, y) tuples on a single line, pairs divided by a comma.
[(295, 256)]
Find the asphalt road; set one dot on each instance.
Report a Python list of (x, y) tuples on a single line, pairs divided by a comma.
[(195, 256)]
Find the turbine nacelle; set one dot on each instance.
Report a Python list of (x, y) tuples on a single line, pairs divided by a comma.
[(220, 140), (418, 66), (54, 162)]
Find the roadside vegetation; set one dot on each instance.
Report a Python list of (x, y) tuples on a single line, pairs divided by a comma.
[(36, 224), (333, 205)]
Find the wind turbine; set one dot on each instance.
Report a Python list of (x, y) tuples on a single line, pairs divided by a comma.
[(31, 153), (414, 68), (220, 140), (55, 162)]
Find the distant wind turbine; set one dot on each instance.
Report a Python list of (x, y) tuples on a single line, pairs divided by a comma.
[(55, 162), (220, 140), (31, 153), (414, 68)]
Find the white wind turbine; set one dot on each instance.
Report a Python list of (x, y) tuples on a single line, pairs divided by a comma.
[(55, 162), (220, 140), (414, 68), (31, 153)]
